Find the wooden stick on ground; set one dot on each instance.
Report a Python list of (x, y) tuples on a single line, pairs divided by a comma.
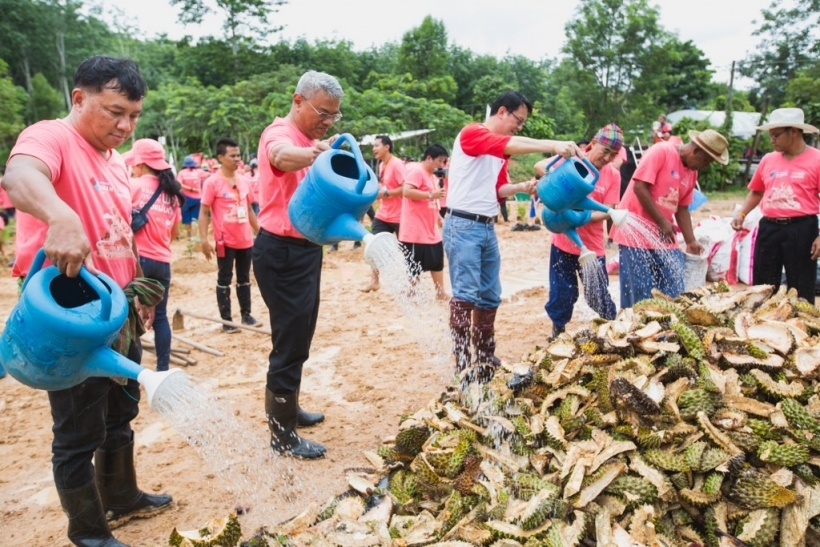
[(197, 345), (146, 344), (176, 359), (182, 313)]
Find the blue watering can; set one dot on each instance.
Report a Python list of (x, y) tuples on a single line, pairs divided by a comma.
[(336, 192), (568, 185), (60, 331)]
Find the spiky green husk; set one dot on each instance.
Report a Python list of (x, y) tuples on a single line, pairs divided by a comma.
[(763, 429), (689, 340), (748, 442), (693, 454), (402, 485), (633, 398), (497, 512), (633, 489), (783, 454), (504, 530), (698, 499), (712, 483), (705, 378), (805, 473), (410, 440), (425, 473), (755, 490), (760, 528), (224, 532), (798, 417), (661, 306), (722, 286), (692, 401), (460, 453), (391, 455), (712, 457), (665, 460)]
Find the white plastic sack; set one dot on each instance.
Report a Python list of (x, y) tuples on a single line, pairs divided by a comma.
[(694, 271), (716, 234)]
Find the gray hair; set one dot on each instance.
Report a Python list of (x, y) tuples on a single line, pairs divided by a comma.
[(312, 81)]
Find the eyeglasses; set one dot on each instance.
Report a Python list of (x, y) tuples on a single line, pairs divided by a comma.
[(325, 115), (774, 136), (518, 118)]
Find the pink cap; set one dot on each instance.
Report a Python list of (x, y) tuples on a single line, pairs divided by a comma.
[(666, 128), (149, 152)]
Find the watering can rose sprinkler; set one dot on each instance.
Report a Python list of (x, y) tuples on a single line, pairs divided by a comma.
[(335, 193), (564, 191), (60, 332)]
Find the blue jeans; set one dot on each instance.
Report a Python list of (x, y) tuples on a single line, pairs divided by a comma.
[(475, 262), (564, 271), (161, 271), (645, 269)]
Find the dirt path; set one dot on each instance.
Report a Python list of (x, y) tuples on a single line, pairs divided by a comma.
[(367, 369)]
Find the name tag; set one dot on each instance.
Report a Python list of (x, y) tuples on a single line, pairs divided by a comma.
[(241, 213)]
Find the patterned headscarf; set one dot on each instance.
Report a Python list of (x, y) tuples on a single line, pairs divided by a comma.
[(610, 136)]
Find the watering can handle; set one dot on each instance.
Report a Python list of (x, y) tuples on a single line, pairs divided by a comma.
[(354, 147), (88, 277), (592, 169), (550, 164)]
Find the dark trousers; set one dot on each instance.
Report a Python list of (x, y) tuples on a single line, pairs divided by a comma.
[(242, 259), (564, 272), (161, 271), (786, 246), (288, 272), (94, 414)]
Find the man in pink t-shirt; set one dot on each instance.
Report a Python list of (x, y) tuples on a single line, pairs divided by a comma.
[(660, 192), (190, 178), (287, 266), (226, 198), (564, 266), (786, 185), (477, 178), (420, 219), (391, 178), (71, 189)]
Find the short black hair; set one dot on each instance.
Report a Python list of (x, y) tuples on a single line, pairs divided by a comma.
[(582, 142), (387, 141), (101, 71), (435, 151), (512, 101), (223, 144)]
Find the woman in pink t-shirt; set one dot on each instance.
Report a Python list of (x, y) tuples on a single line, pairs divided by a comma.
[(152, 173), (419, 219)]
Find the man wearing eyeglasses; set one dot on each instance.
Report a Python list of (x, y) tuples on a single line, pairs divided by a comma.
[(786, 185), (478, 177), (288, 267)]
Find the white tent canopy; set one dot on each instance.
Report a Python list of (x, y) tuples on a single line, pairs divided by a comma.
[(743, 123), (368, 139)]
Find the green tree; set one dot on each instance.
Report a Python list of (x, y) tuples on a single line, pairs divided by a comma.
[(13, 101), (242, 19), (44, 102), (423, 51), (803, 91), (685, 74)]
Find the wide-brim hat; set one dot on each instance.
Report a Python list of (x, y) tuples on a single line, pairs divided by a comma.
[(788, 117), (713, 143)]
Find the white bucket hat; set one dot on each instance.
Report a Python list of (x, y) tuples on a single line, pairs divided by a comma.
[(788, 117)]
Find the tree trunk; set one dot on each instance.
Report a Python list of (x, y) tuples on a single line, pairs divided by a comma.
[(63, 79)]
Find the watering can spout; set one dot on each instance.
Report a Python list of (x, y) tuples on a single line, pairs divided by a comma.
[(590, 204), (155, 382), (106, 362), (345, 227), (618, 216)]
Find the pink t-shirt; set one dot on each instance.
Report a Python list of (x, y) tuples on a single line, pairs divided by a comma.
[(5, 202), (277, 187), (253, 183), (391, 176), (96, 188), (419, 217), (191, 178), (789, 187), (154, 239), (478, 166), (607, 191), (230, 209), (670, 184)]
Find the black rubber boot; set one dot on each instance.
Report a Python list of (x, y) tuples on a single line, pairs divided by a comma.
[(282, 410), (484, 338), (223, 301), (87, 526), (460, 318), (117, 482), (243, 294), (305, 418)]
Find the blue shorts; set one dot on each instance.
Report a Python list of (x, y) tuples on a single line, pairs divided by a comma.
[(190, 210)]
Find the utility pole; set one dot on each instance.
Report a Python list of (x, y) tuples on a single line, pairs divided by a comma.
[(728, 122)]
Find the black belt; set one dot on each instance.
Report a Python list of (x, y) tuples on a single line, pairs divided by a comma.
[(287, 239), (472, 216), (788, 220)]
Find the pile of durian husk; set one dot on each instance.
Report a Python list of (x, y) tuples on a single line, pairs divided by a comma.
[(682, 421)]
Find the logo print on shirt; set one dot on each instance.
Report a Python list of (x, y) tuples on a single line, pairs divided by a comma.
[(674, 174), (782, 197), (116, 242), (670, 200)]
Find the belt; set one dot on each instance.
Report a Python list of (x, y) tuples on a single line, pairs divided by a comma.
[(472, 216), (788, 220), (287, 239)]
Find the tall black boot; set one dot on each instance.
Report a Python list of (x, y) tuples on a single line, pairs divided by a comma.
[(305, 418), (223, 301), (87, 526), (282, 410), (460, 317), (484, 339), (117, 482), (243, 294)]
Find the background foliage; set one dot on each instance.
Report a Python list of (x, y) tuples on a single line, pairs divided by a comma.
[(617, 64)]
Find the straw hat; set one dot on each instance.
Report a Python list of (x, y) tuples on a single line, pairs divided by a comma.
[(713, 143), (788, 117)]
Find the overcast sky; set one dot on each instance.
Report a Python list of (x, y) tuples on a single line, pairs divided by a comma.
[(721, 28)]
